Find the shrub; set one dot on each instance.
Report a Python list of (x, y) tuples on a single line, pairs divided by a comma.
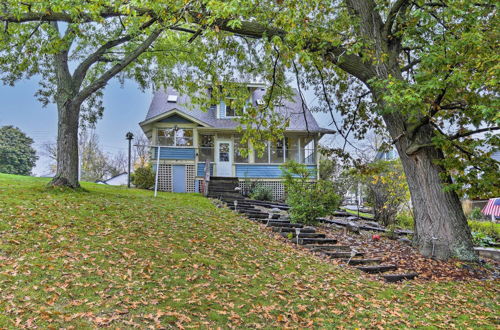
[(262, 193), (487, 228), (308, 200), (404, 219), (476, 214), (481, 239), (143, 177)]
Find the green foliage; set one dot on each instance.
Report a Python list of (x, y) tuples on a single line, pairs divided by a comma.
[(388, 190), (262, 193), (307, 199), (143, 177), (481, 239), (487, 228), (476, 214), (17, 156), (404, 219)]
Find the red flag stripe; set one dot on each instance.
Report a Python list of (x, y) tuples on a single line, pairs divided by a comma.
[(491, 208)]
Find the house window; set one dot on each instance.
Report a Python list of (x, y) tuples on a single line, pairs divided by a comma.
[(279, 151), (206, 147), (175, 137), (239, 150), (276, 152), (230, 108)]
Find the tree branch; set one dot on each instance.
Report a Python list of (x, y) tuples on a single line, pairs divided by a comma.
[(106, 76), (393, 13), (81, 70), (469, 133)]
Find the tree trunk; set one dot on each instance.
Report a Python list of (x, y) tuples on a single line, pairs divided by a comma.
[(441, 228), (67, 145)]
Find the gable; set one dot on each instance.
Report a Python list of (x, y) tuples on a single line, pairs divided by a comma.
[(176, 119)]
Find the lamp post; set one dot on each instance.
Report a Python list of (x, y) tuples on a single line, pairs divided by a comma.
[(129, 136)]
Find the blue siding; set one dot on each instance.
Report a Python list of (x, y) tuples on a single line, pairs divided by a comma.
[(263, 171), (175, 153), (200, 171)]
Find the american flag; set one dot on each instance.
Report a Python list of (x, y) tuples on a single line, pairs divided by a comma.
[(492, 208)]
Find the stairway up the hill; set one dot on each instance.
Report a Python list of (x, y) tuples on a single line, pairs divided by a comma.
[(224, 188)]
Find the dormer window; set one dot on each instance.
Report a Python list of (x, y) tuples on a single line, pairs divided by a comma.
[(230, 109)]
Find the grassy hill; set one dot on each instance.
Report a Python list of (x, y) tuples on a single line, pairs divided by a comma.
[(107, 256)]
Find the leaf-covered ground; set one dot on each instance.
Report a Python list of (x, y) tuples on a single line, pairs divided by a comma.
[(106, 256)]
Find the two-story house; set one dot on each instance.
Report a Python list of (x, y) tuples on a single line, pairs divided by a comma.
[(186, 138)]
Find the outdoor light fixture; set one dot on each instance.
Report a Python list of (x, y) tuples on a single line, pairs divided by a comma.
[(297, 232)]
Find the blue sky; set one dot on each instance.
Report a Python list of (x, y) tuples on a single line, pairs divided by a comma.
[(124, 109)]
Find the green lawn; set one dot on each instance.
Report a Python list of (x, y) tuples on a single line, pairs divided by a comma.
[(355, 212), (105, 256)]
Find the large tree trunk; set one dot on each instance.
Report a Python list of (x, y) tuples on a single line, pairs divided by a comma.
[(67, 146), (441, 229)]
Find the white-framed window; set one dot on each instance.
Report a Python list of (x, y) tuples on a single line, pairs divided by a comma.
[(175, 137), (206, 147)]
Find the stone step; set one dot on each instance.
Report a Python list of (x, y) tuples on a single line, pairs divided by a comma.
[(325, 247), (305, 230), (284, 224), (391, 278), (377, 269), (341, 254), (362, 261), (293, 235), (304, 241)]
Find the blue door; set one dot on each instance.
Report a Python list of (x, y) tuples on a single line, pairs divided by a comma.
[(179, 178)]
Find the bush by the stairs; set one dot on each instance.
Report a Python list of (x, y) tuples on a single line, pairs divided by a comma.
[(144, 177), (262, 193), (308, 199)]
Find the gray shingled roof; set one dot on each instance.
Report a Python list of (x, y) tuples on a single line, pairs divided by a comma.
[(290, 109)]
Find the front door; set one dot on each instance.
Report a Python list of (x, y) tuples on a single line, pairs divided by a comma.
[(224, 155), (179, 178)]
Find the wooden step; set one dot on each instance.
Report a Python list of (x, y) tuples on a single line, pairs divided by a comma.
[(284, 224), (304, 230), (340, 254), (363, 261), (265, 221), (391, 278), (304, 241), (377, 269), (325, 247), (293, 235)]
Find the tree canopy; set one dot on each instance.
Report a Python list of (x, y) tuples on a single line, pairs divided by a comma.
[(17, 156)]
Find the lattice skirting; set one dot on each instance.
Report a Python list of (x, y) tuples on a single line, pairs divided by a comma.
[(190, 176), (277, 186), (165, 178)]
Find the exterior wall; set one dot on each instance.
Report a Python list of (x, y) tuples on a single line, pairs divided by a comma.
[(263, 171), (200, 171), (175, 153)]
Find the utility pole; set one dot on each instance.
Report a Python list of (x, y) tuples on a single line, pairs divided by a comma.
[(129, 136)]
